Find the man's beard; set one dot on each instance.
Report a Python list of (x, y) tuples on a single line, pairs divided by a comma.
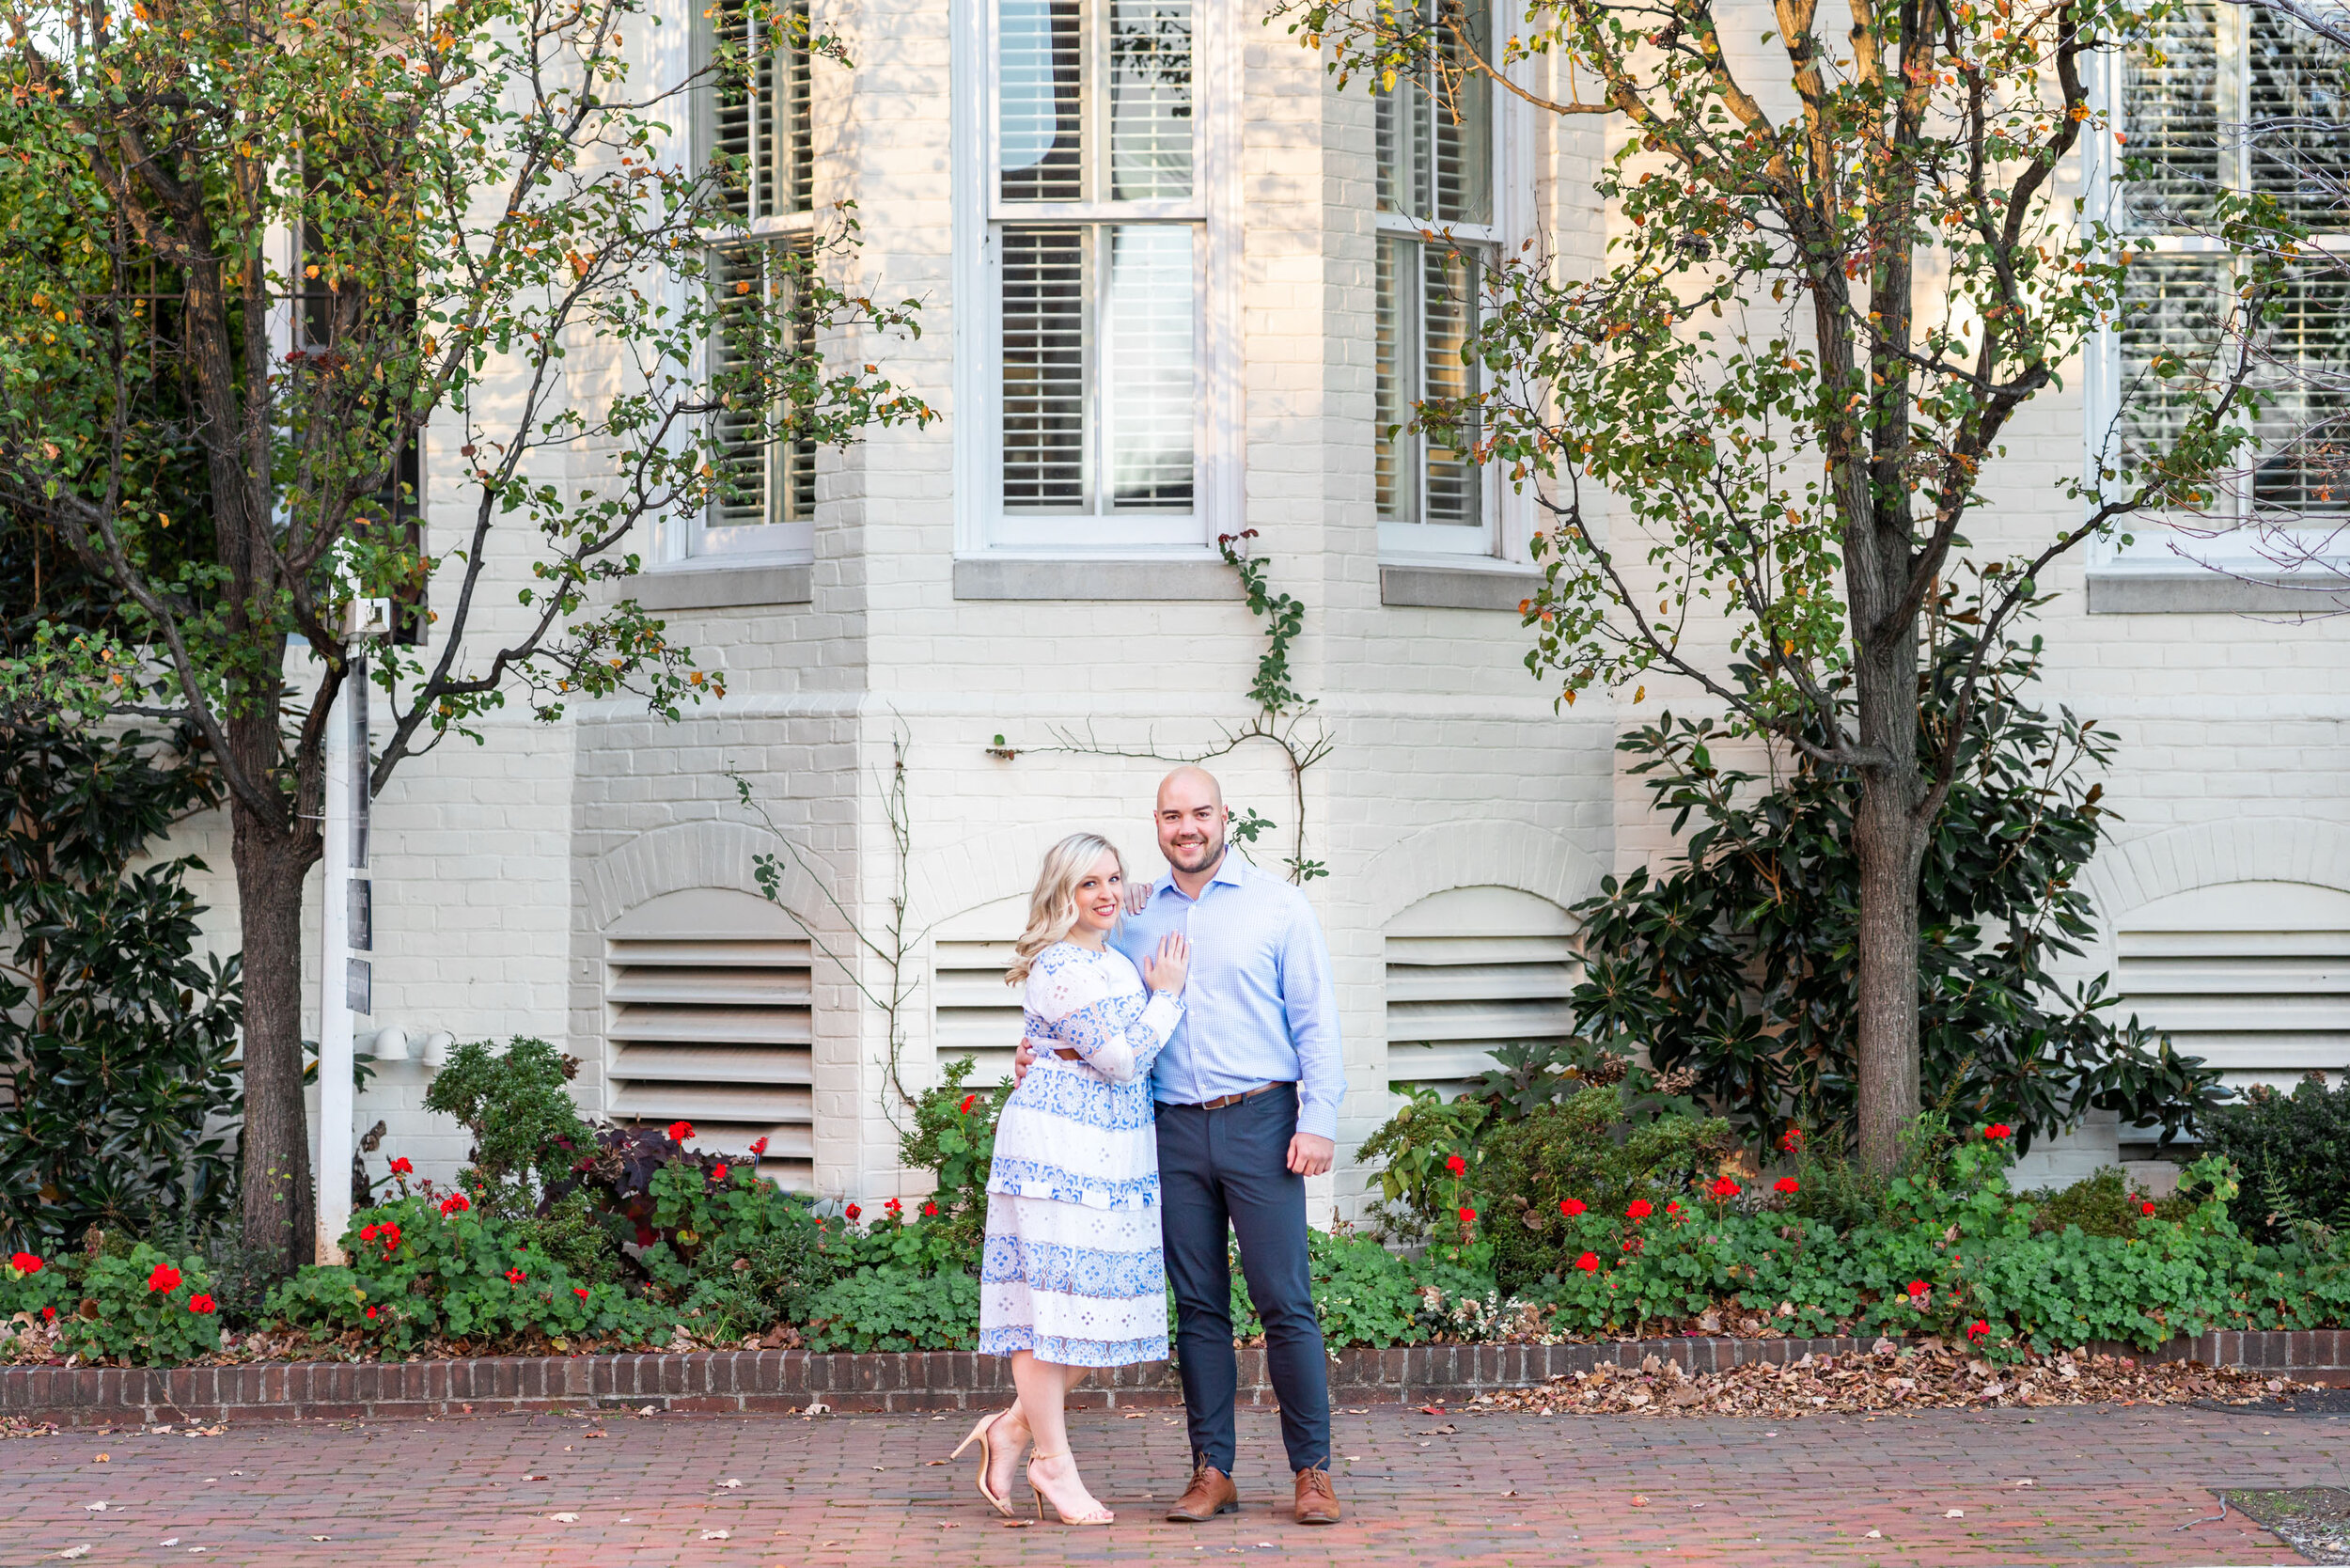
[(1197, 858)]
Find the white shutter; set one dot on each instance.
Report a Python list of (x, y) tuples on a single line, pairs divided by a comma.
[(707, 995), (1471, 969), (974, 1012), (2253, 977)]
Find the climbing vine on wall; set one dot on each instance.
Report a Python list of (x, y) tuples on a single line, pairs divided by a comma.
[(1285, 719), (891, 946)]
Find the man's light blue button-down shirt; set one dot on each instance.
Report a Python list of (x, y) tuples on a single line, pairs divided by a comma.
[(1260, 1007)]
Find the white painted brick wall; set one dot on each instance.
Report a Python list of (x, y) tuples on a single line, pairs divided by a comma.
[(1450, 765)]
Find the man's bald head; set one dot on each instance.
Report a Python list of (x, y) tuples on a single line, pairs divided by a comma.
[(1187, 784), (1190, 821)]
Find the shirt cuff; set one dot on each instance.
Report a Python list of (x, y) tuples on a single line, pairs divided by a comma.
[(1321, 1119)]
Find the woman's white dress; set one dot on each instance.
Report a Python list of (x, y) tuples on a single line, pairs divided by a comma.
[(1072, 1270)]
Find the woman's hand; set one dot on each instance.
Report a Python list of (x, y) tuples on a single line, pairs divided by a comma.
[(1170, 965)]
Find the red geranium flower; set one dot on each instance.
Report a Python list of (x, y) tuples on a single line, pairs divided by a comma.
[(1918, 1287), (201, 1304), (1724, 1187), (1977, 1329), (456, 1202), (758, 1145), (580, 1291), (1639, 1210), (367, 1232), (968, 1101), (1571, 1206), (1469, 1216), (389, 1235), (895, 1207), (680, 1130), (1455, 1164), (930, 1208), (515, 1276), (1672, 1208), (166, 1277), (852, 1211), (402, 1168), (1792, 1139), (1786, 1185), (371, 1312), (48, 1314), (25, 1263), (719, 1174), (2145, 1208), (1588, 1263), (1997, 1131)]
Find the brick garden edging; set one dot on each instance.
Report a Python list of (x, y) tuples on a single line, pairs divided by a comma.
[(789, 1380)]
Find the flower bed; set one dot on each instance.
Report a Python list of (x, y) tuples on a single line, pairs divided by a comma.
[(1576, 1223)]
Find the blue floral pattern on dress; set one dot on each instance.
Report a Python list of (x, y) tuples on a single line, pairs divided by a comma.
[(1064, 1352), (1042, 1179), (1072, 1270)]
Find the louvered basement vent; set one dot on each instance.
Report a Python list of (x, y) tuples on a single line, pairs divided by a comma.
[(1469, 970), (2253, 977), (707, 994), (976, 1014)]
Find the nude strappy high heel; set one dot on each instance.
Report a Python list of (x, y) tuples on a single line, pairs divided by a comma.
[(987, 1456), (1101, 1515)]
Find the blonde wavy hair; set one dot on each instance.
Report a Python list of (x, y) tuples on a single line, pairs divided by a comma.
[(1053, 907)]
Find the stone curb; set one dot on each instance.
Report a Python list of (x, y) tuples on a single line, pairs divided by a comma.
[(737, 1381)]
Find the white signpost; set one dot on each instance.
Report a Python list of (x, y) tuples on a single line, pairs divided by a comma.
[(346, 930)]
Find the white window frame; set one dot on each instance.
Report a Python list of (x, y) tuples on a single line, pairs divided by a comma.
[(1508, 522), (2209, 549), (696, 541), (983, 525)]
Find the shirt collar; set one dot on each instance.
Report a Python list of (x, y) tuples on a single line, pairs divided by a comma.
[(1232, 871)]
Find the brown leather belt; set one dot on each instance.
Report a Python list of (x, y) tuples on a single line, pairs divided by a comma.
[(1223, 1100)]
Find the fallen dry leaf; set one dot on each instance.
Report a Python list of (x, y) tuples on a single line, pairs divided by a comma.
[(717, 1534), (82, 1550), (564, 1518), (1638, 1501), (1953, 1514)]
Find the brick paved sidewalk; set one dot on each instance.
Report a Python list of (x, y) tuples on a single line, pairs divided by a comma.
[(2110, 1485)]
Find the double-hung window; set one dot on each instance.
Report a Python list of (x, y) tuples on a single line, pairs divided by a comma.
[(766, 502), (2235, 98), (1438, 232), (1097, 238)]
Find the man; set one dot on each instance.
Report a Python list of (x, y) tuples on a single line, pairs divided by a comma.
[(1247, 1093)]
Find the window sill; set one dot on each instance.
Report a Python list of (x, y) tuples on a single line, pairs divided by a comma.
[(719, 584), (1422, 585), (2199, 593), (1015, 578)]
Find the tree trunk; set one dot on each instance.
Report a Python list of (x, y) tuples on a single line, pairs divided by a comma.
[(1888, 846), (275, 1149)]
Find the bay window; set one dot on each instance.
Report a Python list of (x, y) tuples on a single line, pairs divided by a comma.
[(1096, 247), (1438, 232), (766, 504), (2222, 97)]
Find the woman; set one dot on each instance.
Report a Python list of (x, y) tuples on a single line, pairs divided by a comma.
[(1072, 1278)]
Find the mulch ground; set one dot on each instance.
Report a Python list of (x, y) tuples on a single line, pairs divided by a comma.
[(2101, 1483), (1887, 1379)]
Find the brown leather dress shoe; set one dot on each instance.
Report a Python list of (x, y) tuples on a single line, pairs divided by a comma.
[(1210, 1493), (1317, 1499)]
